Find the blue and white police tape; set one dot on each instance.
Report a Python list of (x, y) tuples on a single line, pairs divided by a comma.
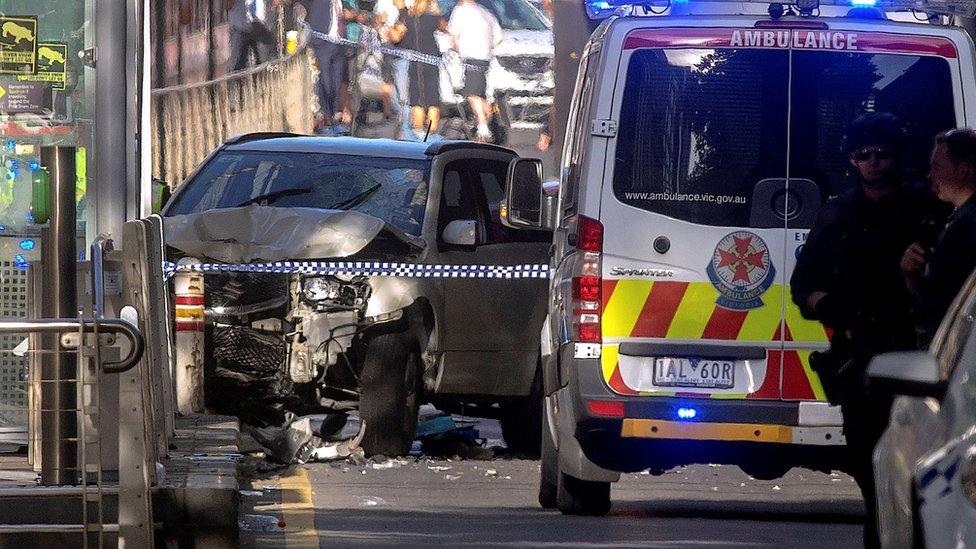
[(365, 268), (370, 41)]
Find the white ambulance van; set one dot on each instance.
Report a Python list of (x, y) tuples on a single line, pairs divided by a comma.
[(703, 138)]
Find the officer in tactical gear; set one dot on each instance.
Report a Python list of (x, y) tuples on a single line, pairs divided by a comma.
[(848, 277)]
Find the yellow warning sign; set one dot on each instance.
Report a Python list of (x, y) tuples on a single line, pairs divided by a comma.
[(3, 92), (18, 45), (52, 65)]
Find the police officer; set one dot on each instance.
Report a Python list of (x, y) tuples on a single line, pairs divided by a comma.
[(848, 277), (936, 273)]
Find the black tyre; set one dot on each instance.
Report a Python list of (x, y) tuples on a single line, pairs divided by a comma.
[(391, 393), (521, 422), (549, 468), (582, 497)]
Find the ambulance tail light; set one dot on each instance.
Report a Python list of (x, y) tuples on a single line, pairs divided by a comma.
[(606, 408), (588, 284)]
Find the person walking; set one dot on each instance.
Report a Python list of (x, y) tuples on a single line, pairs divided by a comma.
[(325, 17), (248, 33), (848, 277), (397, 68), (475, 33), (936, 271), (415, 31)]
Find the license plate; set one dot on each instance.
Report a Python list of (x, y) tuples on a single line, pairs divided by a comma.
[(694, 372)]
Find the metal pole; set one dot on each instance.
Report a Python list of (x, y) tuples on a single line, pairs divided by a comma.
[(59, 391)]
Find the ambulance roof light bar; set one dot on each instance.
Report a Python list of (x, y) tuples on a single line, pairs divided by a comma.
[(959, 8)]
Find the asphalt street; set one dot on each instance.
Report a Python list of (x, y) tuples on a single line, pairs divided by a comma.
[(422, 502)]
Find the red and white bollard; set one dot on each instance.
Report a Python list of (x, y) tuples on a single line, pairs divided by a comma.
[(189, 339)]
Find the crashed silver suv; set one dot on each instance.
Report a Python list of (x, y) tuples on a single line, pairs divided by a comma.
[(382, 344)]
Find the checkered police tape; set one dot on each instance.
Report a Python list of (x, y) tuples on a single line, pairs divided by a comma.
[(365, 268), (370, 41)]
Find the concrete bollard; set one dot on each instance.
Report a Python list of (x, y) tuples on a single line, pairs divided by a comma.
[(189, 339)]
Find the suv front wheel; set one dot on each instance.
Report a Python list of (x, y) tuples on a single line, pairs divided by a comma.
[(390, 399)]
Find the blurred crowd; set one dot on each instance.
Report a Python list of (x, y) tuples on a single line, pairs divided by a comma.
[(406, 80)]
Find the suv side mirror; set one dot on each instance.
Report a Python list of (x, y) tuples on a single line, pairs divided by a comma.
[(524, 195), (461, 232), (914, 373)]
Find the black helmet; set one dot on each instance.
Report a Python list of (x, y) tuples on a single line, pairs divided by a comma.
[(878, 129)]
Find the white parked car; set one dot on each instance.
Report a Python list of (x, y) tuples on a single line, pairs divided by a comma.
[(925, 464), (522, 68)]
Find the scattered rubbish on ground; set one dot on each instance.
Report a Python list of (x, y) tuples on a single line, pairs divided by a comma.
[(452, 477), (491, 473), (777, 487), (250, 493), (439, 468), (336, 435), (371, 501), (320, 437), (260, 523), (715, 488)]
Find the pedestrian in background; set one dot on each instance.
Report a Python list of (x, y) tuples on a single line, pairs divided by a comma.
[(848, 278), (398, 68), (475, 33), (936, 271), (325, 17), (415, 31), (248, 33)]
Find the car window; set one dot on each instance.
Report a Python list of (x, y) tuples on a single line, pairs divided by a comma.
[(832, 88), (699, 128), (511, 14), (703, 132), (391, 189), (576, 132), (492, 177)]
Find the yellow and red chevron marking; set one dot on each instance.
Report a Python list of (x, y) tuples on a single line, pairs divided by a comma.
[(687, 311)]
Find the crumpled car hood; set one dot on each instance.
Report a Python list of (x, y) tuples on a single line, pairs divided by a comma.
[(260, 233)]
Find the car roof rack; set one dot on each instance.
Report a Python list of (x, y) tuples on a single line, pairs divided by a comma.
[(958, 8), (257, 136)]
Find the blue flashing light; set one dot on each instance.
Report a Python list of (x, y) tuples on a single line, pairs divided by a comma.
[(11, 146), (601, 5), (27, 245), (864, 3), (34, 165), (29, 217), (21, 262), (687, 413)]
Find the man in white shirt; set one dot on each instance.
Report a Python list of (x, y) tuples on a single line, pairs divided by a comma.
[(475, 33)]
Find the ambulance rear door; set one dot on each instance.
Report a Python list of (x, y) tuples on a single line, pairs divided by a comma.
[(693, 215), (837, 74)]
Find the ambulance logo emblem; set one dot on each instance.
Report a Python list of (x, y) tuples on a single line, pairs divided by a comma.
[(741, 270)]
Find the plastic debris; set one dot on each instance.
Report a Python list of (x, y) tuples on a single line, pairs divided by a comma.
[(260, 523), (777, 487), (491, 473), (439, 468), (432, 421), (371, 501), (452, 477), (250, 493)]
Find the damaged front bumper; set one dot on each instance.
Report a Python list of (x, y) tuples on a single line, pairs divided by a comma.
[(329, 313)]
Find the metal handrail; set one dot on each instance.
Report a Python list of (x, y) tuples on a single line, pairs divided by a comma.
[(88, 325), (98, 248)]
